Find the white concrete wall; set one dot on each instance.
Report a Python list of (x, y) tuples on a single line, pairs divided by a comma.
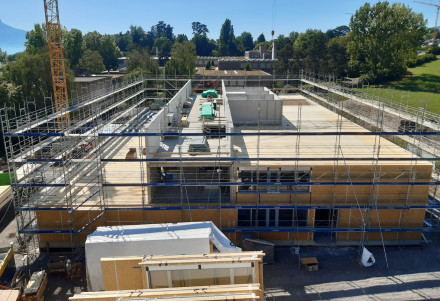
[(159, 123), (251, 105)]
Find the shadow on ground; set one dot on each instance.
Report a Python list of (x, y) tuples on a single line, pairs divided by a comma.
[(413, 273), (419, 83)]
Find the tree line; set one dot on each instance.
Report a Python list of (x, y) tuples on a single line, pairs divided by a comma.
[(377, 45)]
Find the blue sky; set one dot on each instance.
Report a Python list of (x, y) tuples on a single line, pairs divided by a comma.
[(255, 16)]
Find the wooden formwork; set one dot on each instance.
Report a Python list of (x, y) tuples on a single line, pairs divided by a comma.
[(128, 273), (320, 195)]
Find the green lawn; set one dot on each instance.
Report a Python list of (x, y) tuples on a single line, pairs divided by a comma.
[(423, 84)]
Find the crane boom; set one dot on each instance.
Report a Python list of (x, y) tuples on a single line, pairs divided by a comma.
[(54, 41), (434, 36)]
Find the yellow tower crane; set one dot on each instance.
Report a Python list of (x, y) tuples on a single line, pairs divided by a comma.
[(59, 82), (434, 35)]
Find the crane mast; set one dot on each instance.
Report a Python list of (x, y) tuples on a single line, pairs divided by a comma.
[(54, 41)]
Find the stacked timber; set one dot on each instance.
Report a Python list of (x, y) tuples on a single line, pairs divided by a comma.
[(5, 195), (35, 288), (10, 295), (243, 292), (132, 154)]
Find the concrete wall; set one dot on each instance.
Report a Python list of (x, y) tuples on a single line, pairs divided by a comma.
[(251, 105), (159, 123)]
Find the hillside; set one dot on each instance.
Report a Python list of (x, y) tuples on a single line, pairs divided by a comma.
[(11, 39)]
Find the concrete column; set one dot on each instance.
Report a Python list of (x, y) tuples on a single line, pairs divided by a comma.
[(274, 51)]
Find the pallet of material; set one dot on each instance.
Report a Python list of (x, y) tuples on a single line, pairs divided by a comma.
[(5, 195), (35, 288), (57, 265)]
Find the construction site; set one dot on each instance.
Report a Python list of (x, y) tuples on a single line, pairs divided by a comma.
[(295, 168), (172, 187)]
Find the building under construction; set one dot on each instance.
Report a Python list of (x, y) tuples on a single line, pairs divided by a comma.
[(298, 169)]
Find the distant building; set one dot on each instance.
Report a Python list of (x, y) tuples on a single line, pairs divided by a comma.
[(265, 65), (260, 59), (122, 63), (261, 53), (89, 84), (203, 60)]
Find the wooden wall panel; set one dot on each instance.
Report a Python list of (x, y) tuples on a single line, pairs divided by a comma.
[(122, 274)]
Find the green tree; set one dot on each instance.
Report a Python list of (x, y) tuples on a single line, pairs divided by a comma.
[(109, 52), (208, 65), (163, 46), (260, 39), (383, 39), (31, 72), (3, 56), (310, 48), (162, 30), (124, 41), (245, 41), (137, 34), (180, 38), (4, 93), (139, 59), (183, 59), (36, 39), (247, 67), (73, 46), (92, 61), (204, 46), (92, 41), (285, 56), (199, 29), (268, 45), (293, 36), (227, 45), (337, 56), (282, 41), (338, 32)]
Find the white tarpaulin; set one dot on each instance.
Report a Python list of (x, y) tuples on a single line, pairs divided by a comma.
[(156, 239), (367, 258)]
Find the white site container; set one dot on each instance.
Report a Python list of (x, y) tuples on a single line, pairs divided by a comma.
[(155, 239)]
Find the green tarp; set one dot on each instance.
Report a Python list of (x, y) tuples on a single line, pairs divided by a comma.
[(206, 110), (211, 93)]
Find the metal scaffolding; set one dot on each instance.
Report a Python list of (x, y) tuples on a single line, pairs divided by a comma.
[(66, 170)]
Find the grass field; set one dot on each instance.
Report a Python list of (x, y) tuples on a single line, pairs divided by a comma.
[(422, 85)]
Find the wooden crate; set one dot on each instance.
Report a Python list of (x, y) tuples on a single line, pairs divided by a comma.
[(310, 263)]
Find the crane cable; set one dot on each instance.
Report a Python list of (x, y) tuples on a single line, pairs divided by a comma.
[(274, 10)]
